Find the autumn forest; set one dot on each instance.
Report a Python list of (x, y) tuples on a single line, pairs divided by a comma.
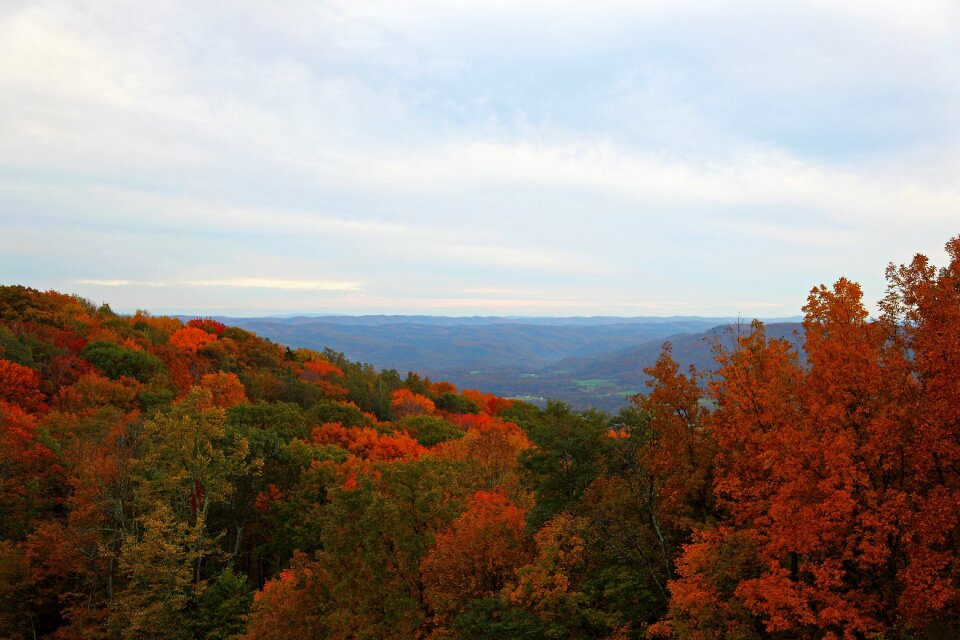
[(189, 480)]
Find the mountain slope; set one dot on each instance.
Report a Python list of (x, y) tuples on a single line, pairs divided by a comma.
[(606, 380), (688, 349), (431, 345)]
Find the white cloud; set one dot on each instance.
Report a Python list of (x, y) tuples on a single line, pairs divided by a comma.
[(295, 285), (639, 151), (241, 283)]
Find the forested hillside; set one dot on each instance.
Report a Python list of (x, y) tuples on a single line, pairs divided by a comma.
[(170, 479)]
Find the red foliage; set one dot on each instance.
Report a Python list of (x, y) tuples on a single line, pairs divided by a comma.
[(265, 499), (20, 385), (209, 325), (29, 472), (64, 370), (368, 443)]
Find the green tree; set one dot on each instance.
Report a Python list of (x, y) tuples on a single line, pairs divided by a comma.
[(570, 453)]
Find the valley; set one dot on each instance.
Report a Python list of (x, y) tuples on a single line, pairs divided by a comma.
[(593, 362)]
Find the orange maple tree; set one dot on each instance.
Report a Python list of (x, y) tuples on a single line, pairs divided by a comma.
[(192, 339), (225, 388), (476, 556)]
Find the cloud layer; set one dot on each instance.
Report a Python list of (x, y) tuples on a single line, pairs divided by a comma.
[(474, 157)]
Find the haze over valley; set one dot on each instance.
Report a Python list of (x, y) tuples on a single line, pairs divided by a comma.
[(593, 362)]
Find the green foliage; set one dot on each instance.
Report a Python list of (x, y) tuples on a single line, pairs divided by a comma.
[(305, 454), (285, 419), (13, 348), (159, 568), (115, 361), (367, 388), (570, 453), (26, 304), (374, 537), (296, 391), (494, 619), (222, 607), (524, 414), (154, 335), (430, 430), (415, 383), (346, 414), (300, 518), (154, 398), (239, 335), (456, 404), (187, 446)]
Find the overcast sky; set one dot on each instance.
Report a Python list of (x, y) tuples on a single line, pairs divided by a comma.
[(460, 157)]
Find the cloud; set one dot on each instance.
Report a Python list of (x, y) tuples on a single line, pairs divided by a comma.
[(240, 283), (120, 283), (294, 285), (635, 156)]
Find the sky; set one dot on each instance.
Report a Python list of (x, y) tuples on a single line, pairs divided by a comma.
[(474, 157)]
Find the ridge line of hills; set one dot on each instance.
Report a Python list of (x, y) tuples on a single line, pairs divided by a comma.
[(594, 362)]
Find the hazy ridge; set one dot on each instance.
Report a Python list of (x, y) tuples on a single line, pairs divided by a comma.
[(586, 361)]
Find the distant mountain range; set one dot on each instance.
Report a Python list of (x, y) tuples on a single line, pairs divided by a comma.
[(588, 362)]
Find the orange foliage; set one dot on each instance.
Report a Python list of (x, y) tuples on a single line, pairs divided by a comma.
[(925, 302), (226, 389), (700, 604), (476, 556), (437, 389), (130, 343), (544, 586), (163, 324), (320, 373), (191, 339), (179, 367), (314, 370), (489, 403), (494, 445), (407, 403), (844, 478), (93, 390), (54, 559), (368, 443), (104, 334), (288, 605), (265, 499), (679, 453), (263, 385)]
